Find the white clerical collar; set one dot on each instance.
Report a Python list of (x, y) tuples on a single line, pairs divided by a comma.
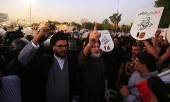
[(60, 61)]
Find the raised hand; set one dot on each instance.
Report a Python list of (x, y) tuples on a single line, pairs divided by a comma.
[(94, 36), (44, 31), (168, 51), (158, 32)]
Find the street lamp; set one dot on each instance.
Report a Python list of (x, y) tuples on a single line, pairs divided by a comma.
[(30, 13), (28, 17), (29, 2), (25, 18), (117, 17), (33, 16)]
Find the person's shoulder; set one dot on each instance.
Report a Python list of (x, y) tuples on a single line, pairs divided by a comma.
[(10, 79), (135, 73)]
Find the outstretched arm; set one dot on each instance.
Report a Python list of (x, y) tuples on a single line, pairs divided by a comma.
[(30, 50), (156, 42), (43, 32), (161, 59), (150, 49), (93, 39)]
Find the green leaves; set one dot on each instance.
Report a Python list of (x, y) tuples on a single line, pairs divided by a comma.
[(165, 19)]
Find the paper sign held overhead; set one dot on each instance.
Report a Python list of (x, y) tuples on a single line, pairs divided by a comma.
[(146, 23), (106, 41)]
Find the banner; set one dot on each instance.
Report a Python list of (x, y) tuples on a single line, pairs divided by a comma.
[(106, 41), (146, 23)]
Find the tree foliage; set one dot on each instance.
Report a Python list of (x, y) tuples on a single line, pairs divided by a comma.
[(83, 22), (54, 22), (100, 27), (76, 24), (165, 19), (105, 21), (64, 23), (115, 18), (123, 27), (89, 25), (106, 24)]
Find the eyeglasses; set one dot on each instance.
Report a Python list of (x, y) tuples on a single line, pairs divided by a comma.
[(61, 46)]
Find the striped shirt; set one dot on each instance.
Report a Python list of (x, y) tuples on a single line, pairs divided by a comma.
[(136, 78), (11, 89)]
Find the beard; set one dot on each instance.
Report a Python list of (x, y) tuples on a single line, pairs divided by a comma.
[(94, 55), (59, 54)]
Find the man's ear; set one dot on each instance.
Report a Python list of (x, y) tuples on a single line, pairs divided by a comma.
[(144, 66)]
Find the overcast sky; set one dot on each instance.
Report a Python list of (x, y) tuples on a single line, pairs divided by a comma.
[(73, 10)]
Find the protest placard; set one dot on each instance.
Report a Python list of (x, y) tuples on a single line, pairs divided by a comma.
[(146, 23), (106, 41)]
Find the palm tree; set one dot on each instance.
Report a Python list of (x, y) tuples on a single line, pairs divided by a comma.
[(115, 18)]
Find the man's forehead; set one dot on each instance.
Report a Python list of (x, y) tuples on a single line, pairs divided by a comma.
[(61, 41), (96, 45), (135, 47), (115, 39)]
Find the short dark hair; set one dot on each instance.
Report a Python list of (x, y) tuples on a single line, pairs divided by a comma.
[(123, 43), (148, 59), (138, 44), (58, 36), (119, 40)]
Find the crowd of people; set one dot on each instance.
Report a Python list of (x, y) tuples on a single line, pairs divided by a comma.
[(41, 68)]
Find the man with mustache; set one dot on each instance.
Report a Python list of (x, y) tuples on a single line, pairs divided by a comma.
[(126, 68), (52, 78), (93, 69), (145, 67), (127, 65)]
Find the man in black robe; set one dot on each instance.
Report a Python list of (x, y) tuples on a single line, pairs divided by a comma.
[(93, 71)]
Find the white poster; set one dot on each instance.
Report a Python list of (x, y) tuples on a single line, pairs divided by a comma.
[(168, 34), (106, 41), (146, 23)]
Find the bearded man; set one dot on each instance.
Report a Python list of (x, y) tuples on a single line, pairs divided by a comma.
[(93, 69), (53, 78)]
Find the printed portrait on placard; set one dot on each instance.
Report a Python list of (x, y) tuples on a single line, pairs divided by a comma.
[(145, 23), (104, 40)]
